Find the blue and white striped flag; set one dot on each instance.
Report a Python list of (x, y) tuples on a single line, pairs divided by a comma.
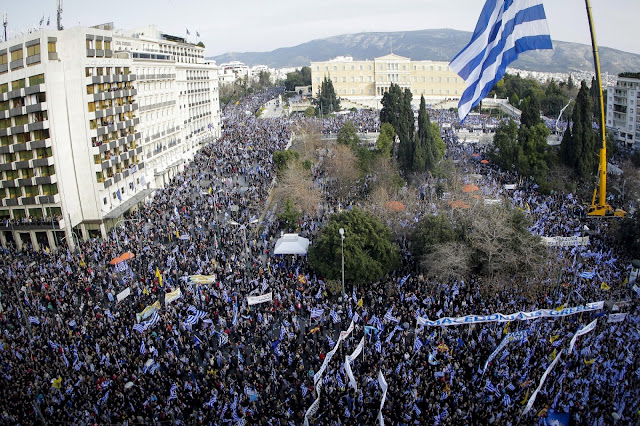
[(304, 390), (378, 345), (240, 360), (143, 350), (173, 392), (389, 317), (212, 401), (139, 328), (506, 400), (104, 398), (331, 342), (34, 320), (505, 29), (334, 316), (417, 345), (316, 312), (222, 338), (587, 275), (53, 345)]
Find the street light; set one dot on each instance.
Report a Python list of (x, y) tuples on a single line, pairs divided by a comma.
[(341, 230), (244, 236)]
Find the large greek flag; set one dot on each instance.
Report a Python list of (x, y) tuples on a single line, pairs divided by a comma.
[(505, 29)]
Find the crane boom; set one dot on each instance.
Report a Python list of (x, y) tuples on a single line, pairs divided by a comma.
[(601, 209)]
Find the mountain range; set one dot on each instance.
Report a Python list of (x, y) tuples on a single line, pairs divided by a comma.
[(436, 45)]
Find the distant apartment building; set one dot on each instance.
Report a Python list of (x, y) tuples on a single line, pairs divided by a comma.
[(231, 71), (92, 120), (622, 109), (367, 80)]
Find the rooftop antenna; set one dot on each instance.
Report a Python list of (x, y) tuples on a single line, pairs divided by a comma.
[(60, 27), (5, 21)]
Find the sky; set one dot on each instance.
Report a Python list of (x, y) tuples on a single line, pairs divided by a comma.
[(257, 26)]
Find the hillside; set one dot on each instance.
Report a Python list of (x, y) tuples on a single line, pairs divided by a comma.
[(440, 45)]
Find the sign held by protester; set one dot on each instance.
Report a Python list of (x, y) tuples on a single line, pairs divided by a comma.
[(255, 300), (123, 294)]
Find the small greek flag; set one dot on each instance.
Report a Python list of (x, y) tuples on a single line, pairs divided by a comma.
[(506, 400), (378, 345), (331, 342), (139, 328), (73, 323), (334, 316), (240, 359), (104, 398), (222, 338), (212, 401), (304, 390), (173, 392), (143, 350), (389, 317), (587, 275), (316, 313), (34, 320), (417, 345)]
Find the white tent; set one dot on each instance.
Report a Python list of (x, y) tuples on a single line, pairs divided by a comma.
[(291, 244)]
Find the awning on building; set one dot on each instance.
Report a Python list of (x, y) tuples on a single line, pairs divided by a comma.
[(127, 204)]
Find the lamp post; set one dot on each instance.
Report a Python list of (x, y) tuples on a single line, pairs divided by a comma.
[(244, 236), (341, 230)]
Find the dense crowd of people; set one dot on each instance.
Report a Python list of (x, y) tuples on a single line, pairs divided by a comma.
[(77, 349)]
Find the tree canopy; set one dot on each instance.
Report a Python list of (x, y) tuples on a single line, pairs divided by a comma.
[(579, 147), (369, 254), (396, 110), (301, 77), (327, 101)]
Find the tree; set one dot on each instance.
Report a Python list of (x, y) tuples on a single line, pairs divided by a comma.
[(327, 101), (289, 215), (282, 159), (523, 149), (301, 77), (431, 232), (396, 110), (295, 184), (200, 44), (629, 235), (579, 147), (429, 147), (385, 140), (530, 112), (348, 135), (341, 167), (369, 254), (501, 241)]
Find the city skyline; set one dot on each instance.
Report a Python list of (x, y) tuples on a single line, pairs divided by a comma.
[(286, 23)]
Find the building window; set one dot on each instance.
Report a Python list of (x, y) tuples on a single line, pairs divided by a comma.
[(17, 84), (51, 47), (33, 50), (4, 88), (31, 191), (15, 193), (21, 120), (16, 55), (89, 44), (36, 79), (51, 189), (5, 123)]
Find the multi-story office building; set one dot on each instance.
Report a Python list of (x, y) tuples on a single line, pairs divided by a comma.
[(622, 109), (83, 139), (368, 80)]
